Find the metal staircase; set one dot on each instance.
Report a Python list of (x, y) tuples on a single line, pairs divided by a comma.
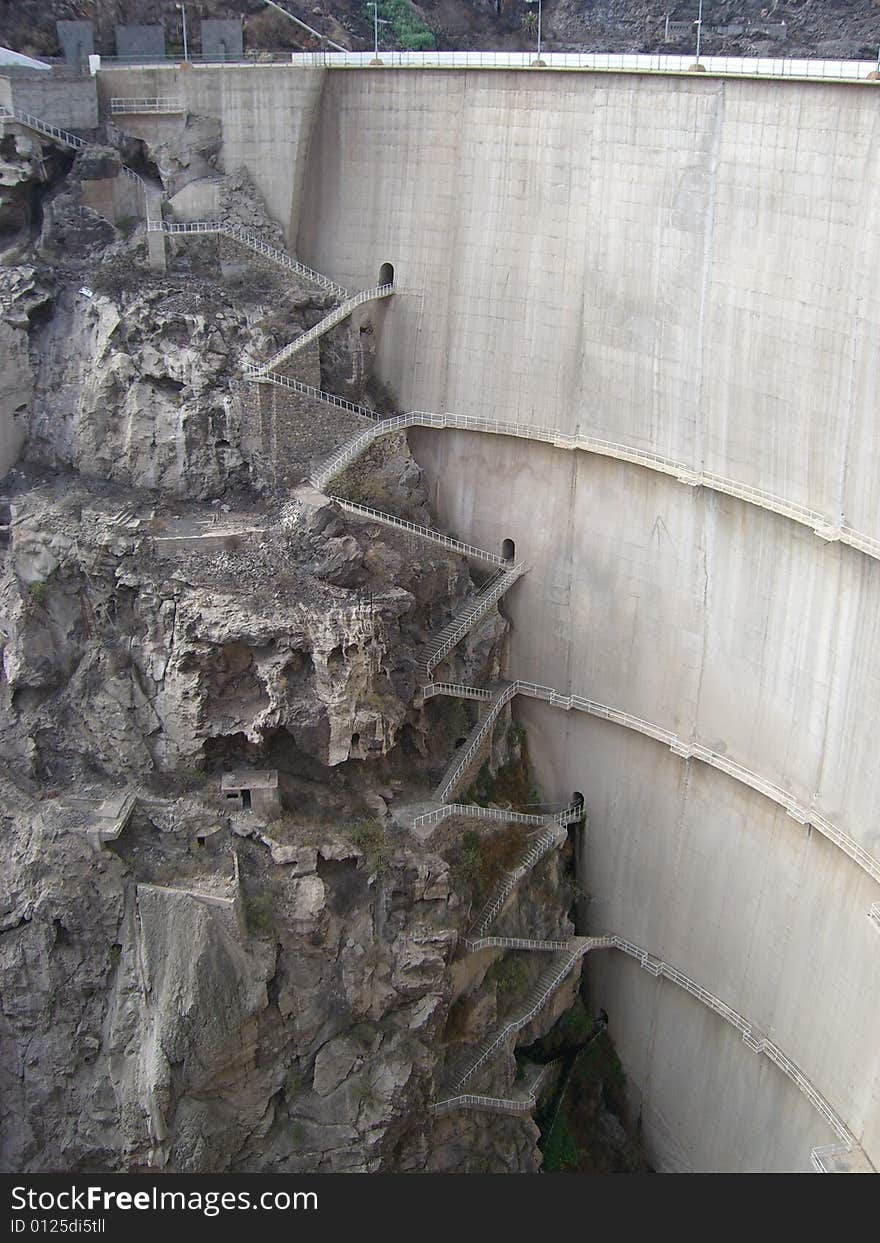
[(553, 836), (151, 195), (255, 244), (799, 812), (467, 617), (561, 964), (499, 1104), (336, 316), (461, 762), (426, 533)]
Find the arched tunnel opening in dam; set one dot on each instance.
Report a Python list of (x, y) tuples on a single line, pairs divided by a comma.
[(600, 452)]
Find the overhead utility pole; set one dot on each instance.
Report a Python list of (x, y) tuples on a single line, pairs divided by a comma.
[(310, 29)]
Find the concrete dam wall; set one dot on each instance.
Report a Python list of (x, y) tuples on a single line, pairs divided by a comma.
[(687, 268)]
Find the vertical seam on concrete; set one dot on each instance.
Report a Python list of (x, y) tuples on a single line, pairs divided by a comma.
[(455, 256), (861, 208), (302, 163), (708, 249), (835, 632)]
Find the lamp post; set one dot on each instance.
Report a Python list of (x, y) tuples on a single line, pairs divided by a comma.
[(377, 20), (699, 30), (537, 63), (182, 8)]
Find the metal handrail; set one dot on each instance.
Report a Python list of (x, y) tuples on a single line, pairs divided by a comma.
[(256, 244), (515, 943), (475, 812), (545, 986), (465, 621), (828, 529), (336, 316), (687, 750), (492, 1104), (253, 372), (428, 533), (67, 139), (455, 690), (160, 104), (756, 1040), (546, 842), (802, 69), (463, 760)]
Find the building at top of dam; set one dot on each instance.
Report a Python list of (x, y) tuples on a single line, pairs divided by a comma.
[(666, 288)]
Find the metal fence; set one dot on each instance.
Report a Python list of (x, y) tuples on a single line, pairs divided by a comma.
[(775, 67)]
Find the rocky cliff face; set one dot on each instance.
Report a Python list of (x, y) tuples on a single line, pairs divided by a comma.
[(187, 984)]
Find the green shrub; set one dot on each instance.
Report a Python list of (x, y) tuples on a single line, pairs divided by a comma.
[(37, 592), (576, 1023), (259, 910), (370, 837), (561, 1152), (509, 976), (411, 33)]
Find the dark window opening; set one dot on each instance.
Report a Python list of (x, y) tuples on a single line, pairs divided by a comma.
[(246, 799), (508, 550), (386, 274), (355, 740)]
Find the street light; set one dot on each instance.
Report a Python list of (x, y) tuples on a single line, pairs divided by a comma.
[(699, 26), (376, 20), (182, 8), (538, 63)]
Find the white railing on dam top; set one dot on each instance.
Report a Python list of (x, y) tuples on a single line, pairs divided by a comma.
[(773, 67), (828, 529), (687, 750)]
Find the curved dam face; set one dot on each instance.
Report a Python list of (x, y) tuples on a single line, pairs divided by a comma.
[(690, 268)]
